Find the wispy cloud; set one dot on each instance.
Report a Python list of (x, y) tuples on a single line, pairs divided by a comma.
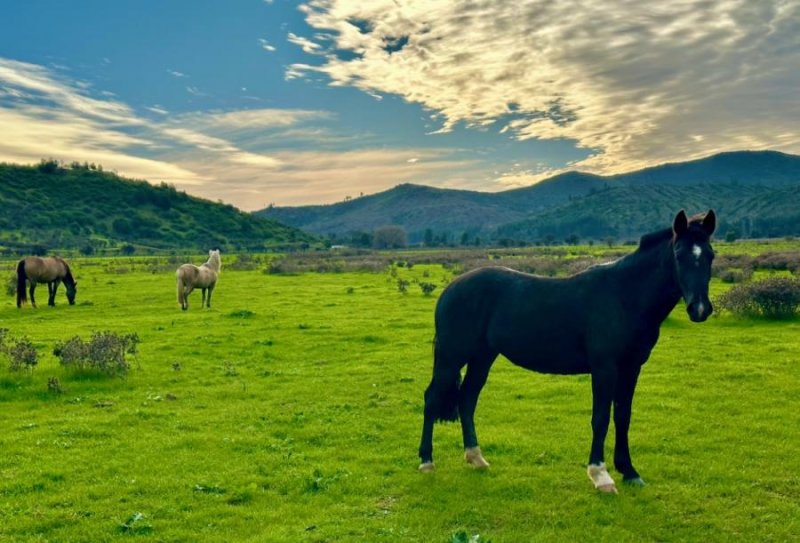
[(328, 176), (265, 45), (194, 91), (237, 156), (639, 83), (176, 73), (306, 44), (157, 109), (48, 115)]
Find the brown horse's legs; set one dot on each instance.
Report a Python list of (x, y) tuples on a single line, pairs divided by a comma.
[(31, 290), (52, 288), (203, 299)]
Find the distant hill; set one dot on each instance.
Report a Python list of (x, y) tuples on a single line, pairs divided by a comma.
[(755, 192), (53, 207)]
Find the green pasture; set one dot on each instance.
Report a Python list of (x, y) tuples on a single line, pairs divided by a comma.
[(291, 410)]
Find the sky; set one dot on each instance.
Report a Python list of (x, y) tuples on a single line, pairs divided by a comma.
[(258, 102)]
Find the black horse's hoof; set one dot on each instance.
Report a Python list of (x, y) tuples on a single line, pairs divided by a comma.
[(635, 481)]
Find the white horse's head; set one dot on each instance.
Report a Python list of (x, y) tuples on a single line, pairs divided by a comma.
[(214, 260)]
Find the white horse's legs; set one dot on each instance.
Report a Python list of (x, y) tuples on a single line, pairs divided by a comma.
[(186, 292), (208, 300)]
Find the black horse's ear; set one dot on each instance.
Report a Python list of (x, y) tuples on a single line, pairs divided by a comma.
[(681, 224), (710, 222)]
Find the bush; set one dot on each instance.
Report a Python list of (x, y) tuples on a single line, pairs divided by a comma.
[(781, 260), (402, 285), (427, 288), (11, 285), (23, 355), (774, 298), (105, 352), (733, 275), (244, 262), (21, 352)]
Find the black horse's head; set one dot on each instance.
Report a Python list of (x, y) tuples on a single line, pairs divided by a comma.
[(72, 290), (693, 256)]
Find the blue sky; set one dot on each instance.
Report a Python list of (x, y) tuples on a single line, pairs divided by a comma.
[(255, 102)]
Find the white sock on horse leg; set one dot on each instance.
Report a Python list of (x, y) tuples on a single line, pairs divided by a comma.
[(599, 475)]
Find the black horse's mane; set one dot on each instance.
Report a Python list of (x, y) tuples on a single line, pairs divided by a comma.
[(652, 239)]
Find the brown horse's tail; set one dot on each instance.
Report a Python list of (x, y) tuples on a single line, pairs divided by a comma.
[(21, 277)]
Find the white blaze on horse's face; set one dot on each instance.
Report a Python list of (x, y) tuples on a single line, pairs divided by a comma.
[(697, 251)]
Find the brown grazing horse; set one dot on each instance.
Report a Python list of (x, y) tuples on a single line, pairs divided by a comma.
[(51, 270), (203, 277), (603, 321)]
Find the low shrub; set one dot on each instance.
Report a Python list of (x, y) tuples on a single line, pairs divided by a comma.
[(734, 275), (779, 260), (244, 262), (11, 285), (20, 351), (402, 285), (427, 288), (774, 298), (105, 352)]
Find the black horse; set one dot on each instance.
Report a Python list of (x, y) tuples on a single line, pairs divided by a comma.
[(603, 321)]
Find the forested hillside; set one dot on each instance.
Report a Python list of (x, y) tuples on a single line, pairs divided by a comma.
[(626, 212), (49, 206)]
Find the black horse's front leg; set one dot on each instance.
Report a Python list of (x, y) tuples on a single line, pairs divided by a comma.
[(603, 384), (623, 400)]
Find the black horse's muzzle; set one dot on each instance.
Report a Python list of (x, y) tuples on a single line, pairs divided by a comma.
[(699, 311)]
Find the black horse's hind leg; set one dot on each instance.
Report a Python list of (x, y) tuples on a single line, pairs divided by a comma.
[(475, 378), (603, 385), (623, 399)]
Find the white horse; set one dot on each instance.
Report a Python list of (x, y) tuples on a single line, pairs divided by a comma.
[(204, 277)]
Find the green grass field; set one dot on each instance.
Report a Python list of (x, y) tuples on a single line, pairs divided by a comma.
[(291, 411)]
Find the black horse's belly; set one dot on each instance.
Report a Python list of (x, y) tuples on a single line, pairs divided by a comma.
[(557, 358)]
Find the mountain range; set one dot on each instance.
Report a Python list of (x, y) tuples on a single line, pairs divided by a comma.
[(755, 194)]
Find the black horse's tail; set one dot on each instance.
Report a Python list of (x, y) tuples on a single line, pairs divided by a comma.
[(441, 396), (21, 277)]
